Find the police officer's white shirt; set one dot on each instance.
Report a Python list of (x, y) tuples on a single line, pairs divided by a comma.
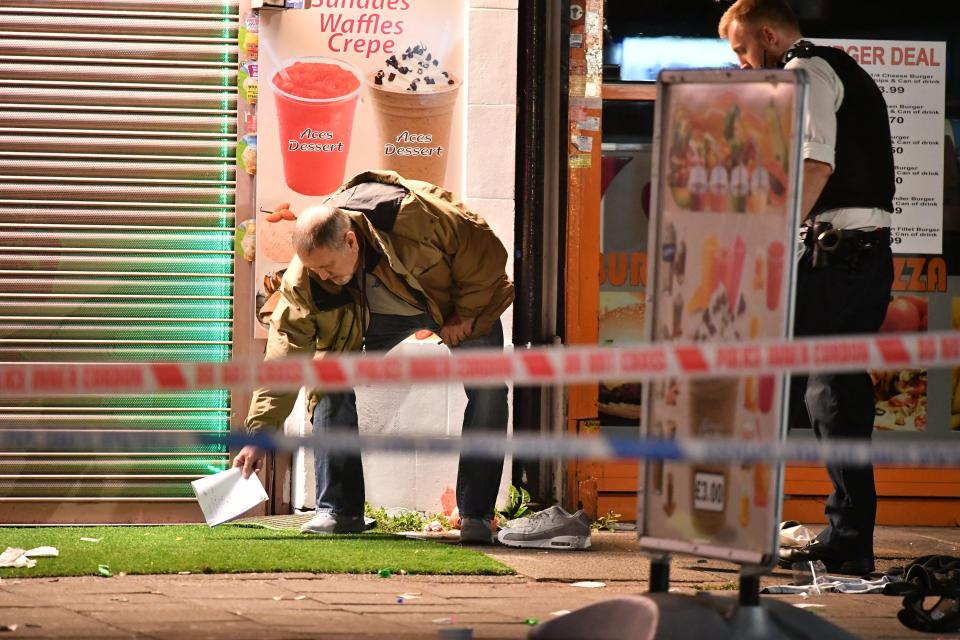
[(824, 97)]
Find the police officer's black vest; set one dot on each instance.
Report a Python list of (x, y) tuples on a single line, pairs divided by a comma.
[(863, 174)]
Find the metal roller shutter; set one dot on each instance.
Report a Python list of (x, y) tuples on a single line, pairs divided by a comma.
[(117, 188)]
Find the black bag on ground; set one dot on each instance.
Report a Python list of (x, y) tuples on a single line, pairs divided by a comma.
[(929, 577)]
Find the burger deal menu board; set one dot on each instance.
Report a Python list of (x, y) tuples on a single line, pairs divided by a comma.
[(721, 253), (346, 87), (912, 77)]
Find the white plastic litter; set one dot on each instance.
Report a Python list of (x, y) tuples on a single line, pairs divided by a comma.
[(433, 527), (794, 535), (23, 559), (834, 584), (589, 584), (16, 558)]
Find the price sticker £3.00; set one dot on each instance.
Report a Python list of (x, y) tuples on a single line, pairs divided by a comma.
[(708, 491)]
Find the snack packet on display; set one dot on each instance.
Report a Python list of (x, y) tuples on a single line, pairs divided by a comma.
[(247, 154)]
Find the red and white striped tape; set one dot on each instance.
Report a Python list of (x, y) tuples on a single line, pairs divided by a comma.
[(476, 367)]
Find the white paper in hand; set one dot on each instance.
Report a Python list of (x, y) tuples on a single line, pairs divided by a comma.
[(226, 495)]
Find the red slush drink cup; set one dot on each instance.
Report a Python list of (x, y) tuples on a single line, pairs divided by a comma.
[(315, 132)]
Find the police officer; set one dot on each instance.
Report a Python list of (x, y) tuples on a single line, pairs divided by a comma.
[(846, 270)]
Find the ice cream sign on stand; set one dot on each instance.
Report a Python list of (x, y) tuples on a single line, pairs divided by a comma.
[(348, 86)]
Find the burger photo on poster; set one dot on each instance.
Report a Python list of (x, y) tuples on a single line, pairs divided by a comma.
[(621, 323)]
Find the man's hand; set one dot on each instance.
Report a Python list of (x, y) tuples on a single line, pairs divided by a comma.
[(456, 329), (250, 459)]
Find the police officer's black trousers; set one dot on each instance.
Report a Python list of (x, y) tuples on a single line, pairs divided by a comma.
[(848, 296)]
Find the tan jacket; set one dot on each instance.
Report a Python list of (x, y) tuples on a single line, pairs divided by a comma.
[(426, 247)]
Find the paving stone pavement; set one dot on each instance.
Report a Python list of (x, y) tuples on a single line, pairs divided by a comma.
[(302, 605)]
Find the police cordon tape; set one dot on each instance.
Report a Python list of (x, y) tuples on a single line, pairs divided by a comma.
[(933, 453), (489, 367)]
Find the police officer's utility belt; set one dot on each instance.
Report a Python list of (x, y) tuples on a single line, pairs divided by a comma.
[(830, 244)]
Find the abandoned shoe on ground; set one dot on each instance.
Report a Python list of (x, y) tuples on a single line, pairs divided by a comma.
[(552, 528), (325, 522)]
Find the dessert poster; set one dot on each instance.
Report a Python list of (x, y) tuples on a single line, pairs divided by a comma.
[(346, 87), (722, 263)]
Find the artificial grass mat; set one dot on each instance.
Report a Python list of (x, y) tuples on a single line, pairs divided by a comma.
[(230, 549)]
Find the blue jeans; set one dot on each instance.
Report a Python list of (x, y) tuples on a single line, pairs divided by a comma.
[(340, 488)]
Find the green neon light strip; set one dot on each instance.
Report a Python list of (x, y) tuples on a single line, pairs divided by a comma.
[(78, 307)]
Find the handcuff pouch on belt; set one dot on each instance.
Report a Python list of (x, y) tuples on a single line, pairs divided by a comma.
[(825, 242)]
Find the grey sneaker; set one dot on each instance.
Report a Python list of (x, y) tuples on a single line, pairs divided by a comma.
[(331, 523), (476, 531), (551, 528)]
